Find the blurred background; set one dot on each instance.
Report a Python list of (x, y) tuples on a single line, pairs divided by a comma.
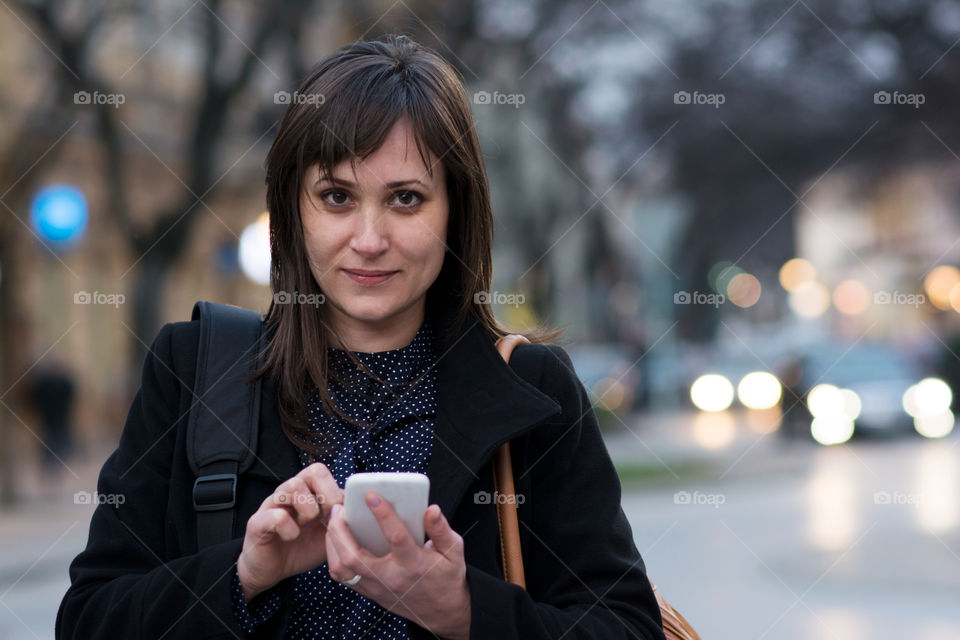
[(746, 213)]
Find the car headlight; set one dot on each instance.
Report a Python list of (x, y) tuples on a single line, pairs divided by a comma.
[(711, 392)]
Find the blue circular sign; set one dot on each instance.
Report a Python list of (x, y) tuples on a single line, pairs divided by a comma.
[(59, 213)]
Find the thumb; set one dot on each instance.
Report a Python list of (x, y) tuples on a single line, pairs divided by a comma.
[(443, 539), (435, 523)]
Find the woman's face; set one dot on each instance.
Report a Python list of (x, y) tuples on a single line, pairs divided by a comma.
[(375, 237)]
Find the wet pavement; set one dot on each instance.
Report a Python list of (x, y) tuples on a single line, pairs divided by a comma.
[(855, 542)]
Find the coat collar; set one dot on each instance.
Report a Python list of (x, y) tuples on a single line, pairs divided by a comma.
[(481, 404)]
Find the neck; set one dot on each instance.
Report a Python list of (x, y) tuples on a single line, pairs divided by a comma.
[(382, 335)]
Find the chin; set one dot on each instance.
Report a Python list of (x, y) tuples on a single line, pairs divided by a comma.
[(370, 311)]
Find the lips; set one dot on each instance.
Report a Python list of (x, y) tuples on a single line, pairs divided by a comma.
[(367, 277)]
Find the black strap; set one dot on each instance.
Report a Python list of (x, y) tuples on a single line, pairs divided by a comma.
[(223, 423)]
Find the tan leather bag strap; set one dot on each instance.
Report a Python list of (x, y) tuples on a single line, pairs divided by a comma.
[(510, 551)]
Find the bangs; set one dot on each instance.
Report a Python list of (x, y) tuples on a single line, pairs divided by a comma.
[(357, 115)]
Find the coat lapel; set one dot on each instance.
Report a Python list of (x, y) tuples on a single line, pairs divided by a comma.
[(482, 403)]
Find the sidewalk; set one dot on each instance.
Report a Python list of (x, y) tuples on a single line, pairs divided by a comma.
[(39, 537)]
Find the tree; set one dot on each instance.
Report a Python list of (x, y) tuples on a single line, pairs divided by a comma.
[(801, 86)]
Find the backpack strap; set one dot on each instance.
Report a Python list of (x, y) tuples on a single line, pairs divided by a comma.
[(223, 421)]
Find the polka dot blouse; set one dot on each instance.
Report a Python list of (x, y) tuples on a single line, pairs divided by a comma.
[(403, 410)]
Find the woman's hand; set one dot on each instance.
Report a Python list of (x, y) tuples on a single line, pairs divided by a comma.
[(286, 535), (426, 584)]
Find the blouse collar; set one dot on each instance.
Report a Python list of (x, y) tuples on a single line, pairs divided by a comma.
[(393, 366)]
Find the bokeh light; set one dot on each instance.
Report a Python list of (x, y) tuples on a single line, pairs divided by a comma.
[(254, 250), (834, 407), (711, 392), (825, 400), (59, 213), (954, 297), (851, 403), (714, 430), (796, 272), (759, 390), (851, 297), (764, 421), (938, 284), (929, 397), (721, 274), (810, 299), (743, 290), (935, 426), (831, 430)]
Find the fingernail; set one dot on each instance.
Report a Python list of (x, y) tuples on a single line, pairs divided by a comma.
[(439, 514), (335, 511), (373, 501)]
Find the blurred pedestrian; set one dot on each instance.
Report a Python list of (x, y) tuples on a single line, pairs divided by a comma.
[(795, 416), (51, 396)]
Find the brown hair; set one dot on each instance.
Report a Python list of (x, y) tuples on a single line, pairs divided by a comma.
[(344, 109)]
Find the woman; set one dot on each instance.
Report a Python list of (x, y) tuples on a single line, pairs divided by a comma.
[(380, 357)]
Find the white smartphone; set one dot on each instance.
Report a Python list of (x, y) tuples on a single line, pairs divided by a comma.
[(407, 492)]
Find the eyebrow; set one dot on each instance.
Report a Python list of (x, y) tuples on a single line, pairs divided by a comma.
[(390, 185)]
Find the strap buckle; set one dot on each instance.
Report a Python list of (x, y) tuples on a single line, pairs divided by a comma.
[(212, 493)]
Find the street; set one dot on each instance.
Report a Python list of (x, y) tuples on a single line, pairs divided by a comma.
[(855, 542)]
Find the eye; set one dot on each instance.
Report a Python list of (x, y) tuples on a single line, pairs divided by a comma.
[(408, 199), (335, 197)]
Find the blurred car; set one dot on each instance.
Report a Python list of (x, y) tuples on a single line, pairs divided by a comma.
[(738, 378), (868, 389), (833, 392)]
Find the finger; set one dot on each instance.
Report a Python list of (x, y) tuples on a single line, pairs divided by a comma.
[(338, 534), (442, 536), (272, 523), (323, 485), (285, 526), (272, 501), (334, 564), (344, 554), (305, 502), (296, 495), (402, 544)]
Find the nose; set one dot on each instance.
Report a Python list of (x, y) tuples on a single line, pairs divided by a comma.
[(370, 235)]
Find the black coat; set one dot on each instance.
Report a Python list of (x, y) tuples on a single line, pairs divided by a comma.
[(141, 575)]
